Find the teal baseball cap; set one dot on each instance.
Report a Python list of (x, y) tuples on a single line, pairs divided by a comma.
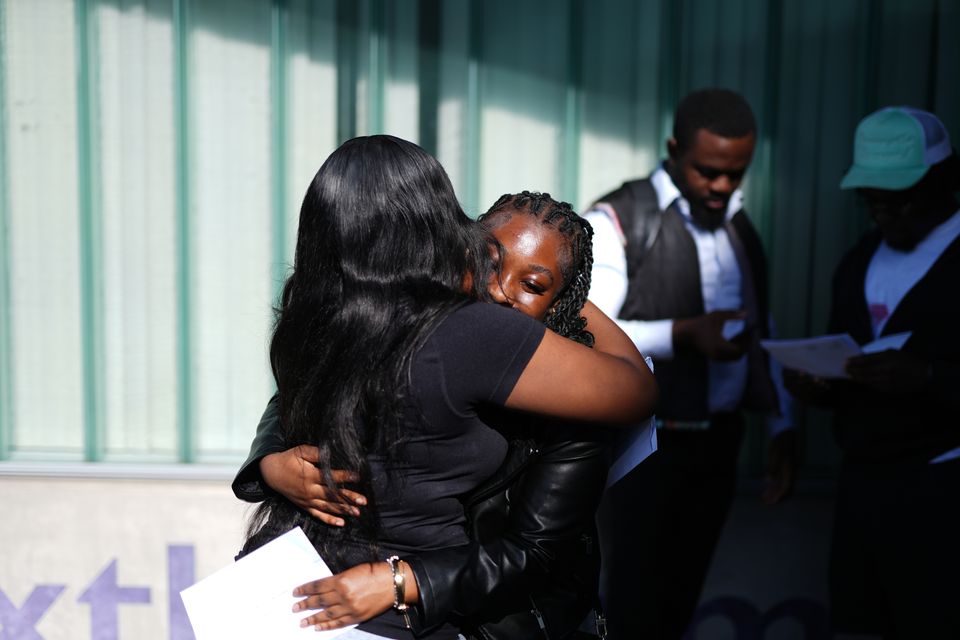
[(894, 147)]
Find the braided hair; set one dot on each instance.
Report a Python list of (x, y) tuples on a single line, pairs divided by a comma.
[(575, 262)]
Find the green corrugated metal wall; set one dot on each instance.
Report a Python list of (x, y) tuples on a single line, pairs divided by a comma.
[(158, 150)]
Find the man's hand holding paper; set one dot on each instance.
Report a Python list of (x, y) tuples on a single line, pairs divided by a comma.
[(814, 366), (827, 356), (891, 371)]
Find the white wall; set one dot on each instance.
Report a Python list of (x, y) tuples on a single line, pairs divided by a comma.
[(66, 534)]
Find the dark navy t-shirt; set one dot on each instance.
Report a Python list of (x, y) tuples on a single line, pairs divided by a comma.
[(472, 359)]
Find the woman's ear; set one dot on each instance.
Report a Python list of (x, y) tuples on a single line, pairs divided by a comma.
[(466, 286)]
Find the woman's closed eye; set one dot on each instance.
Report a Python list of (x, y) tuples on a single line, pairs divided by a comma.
[(528, 266), (538, 278), (535, 287)]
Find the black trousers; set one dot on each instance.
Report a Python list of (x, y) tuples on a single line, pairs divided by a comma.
[(659, 526), (895, 556)]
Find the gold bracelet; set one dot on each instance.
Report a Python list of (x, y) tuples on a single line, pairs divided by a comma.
[(399, 590)]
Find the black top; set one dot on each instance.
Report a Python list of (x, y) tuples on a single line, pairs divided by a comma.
[(536, 548), (473, 358)]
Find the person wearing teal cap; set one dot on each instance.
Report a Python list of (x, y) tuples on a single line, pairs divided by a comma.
[(894, 148), (895, 557)]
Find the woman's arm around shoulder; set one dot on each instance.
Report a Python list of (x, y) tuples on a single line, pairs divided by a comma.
[(609, 384)]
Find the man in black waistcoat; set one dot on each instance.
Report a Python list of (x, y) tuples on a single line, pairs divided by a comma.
[(681, 267), (895, 553)]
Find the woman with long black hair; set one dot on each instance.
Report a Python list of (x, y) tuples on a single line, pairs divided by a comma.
[(382, 359)]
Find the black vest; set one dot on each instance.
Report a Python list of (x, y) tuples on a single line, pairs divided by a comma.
[(663, 273)]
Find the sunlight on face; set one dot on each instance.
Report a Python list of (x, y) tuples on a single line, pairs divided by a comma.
[(528, 277)]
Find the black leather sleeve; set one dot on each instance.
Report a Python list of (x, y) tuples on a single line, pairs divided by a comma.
[(249, 484), (551, 505)]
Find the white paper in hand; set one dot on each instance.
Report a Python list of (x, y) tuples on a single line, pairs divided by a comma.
[(893, 341), (252, 599), (826, 356), (823, 356)]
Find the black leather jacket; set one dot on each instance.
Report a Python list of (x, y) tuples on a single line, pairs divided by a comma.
[(532, 570)]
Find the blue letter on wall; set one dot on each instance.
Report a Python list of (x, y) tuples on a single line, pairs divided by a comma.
[(180, 563), (17, 624), (104, 596)]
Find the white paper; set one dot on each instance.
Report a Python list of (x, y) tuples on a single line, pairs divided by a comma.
[(632, 448), (823, 356), (826, 356), (892, 341), (634, 445), (252, 599)]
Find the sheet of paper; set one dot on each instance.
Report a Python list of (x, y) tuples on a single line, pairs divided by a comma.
[(631, 448), (634, 445), (892, 341), (251, 598), (825, 356), (822, 356)]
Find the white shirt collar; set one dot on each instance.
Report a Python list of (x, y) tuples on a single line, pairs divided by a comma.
[(667, 193)]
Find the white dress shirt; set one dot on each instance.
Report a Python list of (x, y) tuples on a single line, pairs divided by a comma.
[(721, 288)]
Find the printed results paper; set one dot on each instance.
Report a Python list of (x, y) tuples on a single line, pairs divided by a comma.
[(252, 599), (826, 356)]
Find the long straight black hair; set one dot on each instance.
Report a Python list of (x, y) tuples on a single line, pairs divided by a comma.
[(384, 251)]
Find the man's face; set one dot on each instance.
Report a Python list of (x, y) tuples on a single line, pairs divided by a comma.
[(708, 172), (898, 214)]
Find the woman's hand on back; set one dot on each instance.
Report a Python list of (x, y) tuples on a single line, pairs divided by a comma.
[(295, 475), (353, 596)]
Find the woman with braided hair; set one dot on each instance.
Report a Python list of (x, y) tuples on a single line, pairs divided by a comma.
[(574, 257), (532, 569)]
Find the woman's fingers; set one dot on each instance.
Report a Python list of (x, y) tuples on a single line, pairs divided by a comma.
[(353, 496), (304, 486), (319, 490), (327, 603), (332, 617), (323, 601), (341, 476), (344, 495), (314, 588), (333, 507), (309, 453), (327, 518)]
